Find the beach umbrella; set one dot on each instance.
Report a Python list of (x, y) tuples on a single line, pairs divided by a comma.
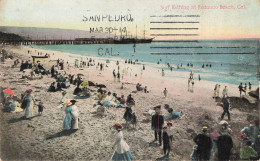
[(9, 91), (223, 122), (84, 84)]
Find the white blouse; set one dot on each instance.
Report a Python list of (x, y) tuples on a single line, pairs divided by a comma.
[(120, 145)]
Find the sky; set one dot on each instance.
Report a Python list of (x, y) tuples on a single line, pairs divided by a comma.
[(240, 21)]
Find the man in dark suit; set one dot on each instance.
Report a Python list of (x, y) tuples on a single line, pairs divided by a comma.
[(204, 145), (157, 123), (226, 108), (224, 145)]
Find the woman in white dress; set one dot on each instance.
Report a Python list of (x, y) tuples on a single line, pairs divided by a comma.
[(75, 115), (29, 99), (122, 150)]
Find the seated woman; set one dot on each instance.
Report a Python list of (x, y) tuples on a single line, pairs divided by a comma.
[(173, 114), (121, 102), (52, 88), (77, 91), (138, 87), (12, 106), (98, 109)]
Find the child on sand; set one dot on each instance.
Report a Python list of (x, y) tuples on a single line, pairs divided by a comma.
[(166, 142), (40, 108), (169, 131)]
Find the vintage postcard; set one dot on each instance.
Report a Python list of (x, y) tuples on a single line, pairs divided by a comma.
[(129, 79)]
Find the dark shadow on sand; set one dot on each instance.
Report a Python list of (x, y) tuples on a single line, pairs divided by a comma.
[(14, 120), (162, 158), (153, 144), (81, 97), (60, 134)]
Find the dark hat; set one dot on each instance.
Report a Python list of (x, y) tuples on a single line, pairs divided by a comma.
[(165, 127), (72, 101), (169, 124), (157, 107)]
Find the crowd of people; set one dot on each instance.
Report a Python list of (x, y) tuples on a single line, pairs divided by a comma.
[(208, 145)]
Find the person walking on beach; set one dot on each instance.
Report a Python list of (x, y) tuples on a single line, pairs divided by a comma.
[(249, 86), (245, 88), (157, 123), (192, 85), (224, 146), (215, 91), (189, 81), (122, 150), (118, 76), (204, 145), (199, 77), (75, 115), (165, 92), (225, 92), (191, 75), (114, 74), (166, 142), (29, 99), (218, 90), (226, 108), (68, 117), (240, 87), (163, 73), (128, 115)]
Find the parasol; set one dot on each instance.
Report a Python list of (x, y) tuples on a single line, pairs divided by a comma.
[(9, 91), (84, 84)]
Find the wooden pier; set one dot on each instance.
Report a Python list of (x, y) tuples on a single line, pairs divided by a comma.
[(59, 42)]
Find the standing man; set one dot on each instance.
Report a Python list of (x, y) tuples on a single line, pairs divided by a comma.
[(225, 92), (204, 145), (224, 145), (226, 108), (165, 92), (157, 123), (240, 87)]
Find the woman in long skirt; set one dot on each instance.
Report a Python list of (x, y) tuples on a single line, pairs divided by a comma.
[(29, 103), (75, 115), (122, 150), (68, 117)]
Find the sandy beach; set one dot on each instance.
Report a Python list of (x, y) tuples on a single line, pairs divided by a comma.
[(37, 139)]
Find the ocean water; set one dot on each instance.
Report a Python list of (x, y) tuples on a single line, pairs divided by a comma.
[(233, 61)]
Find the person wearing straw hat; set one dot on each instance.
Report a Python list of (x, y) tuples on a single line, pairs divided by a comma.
[(204, 145), (157, 123), (122, 150), (75, 115), (29, 99), (68, 116)]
